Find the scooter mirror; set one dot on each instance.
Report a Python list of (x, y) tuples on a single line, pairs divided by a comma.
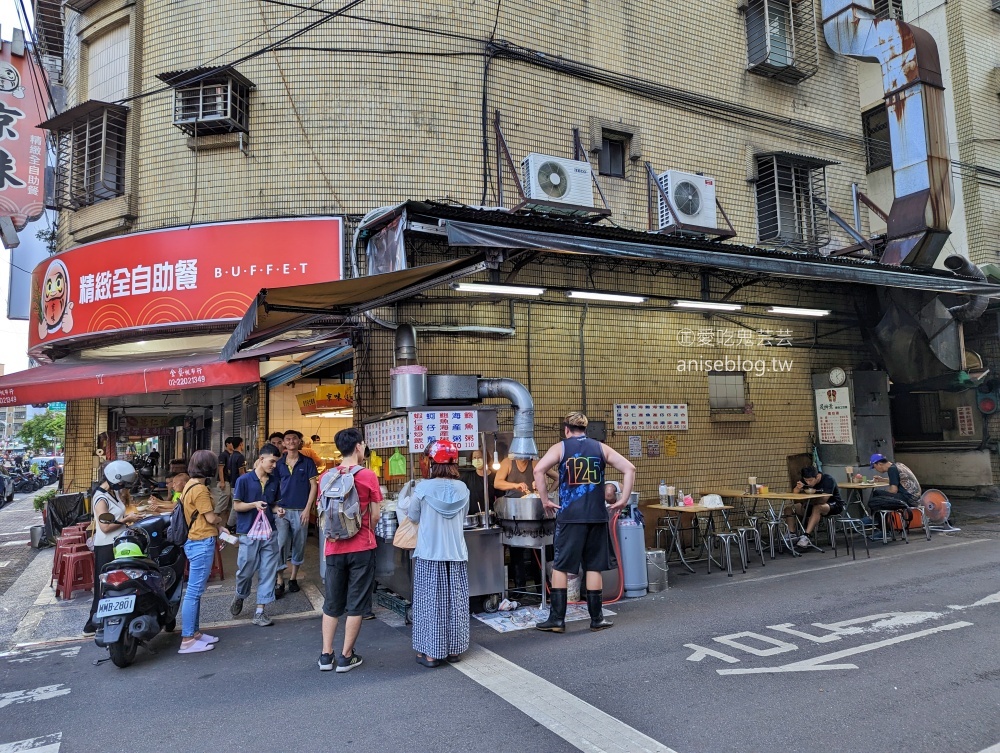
[(107, 518)]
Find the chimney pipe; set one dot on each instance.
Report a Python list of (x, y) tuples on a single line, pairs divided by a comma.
[(406, 345), (976, 305), (523, 445), (914, 98)]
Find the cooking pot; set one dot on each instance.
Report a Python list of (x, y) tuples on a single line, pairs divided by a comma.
[(471, 521), (528, 507)]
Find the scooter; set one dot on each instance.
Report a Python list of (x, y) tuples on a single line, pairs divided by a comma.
[(140, 589)]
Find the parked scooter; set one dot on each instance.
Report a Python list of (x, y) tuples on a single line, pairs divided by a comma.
[(140, 588)]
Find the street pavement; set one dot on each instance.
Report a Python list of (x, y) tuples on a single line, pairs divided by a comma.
[(813, 654)]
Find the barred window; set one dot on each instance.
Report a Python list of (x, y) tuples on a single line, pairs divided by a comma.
[(781, 39), (611, 160), (878, 148), (210, 103), (791, 202), (90, 153)]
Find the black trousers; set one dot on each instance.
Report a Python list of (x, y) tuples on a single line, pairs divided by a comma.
[(884, 500), (102, 556)]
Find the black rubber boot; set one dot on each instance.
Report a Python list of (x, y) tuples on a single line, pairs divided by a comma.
[(595, 601), (557, 612)]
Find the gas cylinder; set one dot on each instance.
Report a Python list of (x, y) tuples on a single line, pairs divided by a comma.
[(632, 545)]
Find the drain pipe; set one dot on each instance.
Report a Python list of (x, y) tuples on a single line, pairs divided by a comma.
[(523, 445), (976, 305), (914, 98)]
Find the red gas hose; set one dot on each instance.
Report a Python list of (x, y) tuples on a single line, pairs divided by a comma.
[(618, 556)]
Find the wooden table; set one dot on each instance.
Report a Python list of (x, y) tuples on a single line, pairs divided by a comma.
[(775, 516), (675, 529)]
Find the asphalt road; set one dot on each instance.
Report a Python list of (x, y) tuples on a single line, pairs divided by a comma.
[(896, 653), (16, 517)]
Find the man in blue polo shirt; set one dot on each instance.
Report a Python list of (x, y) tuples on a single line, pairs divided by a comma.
[(298, 476), (254, 491)]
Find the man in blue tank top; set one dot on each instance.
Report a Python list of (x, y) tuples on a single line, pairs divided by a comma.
[(581, 536)]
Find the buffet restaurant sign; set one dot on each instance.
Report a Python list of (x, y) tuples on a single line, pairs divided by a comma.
[(178, 276), (22, 145)]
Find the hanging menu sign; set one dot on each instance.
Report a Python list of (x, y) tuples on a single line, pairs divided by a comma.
[(833, 415), (660, 417), (460, 426), (383, 435)]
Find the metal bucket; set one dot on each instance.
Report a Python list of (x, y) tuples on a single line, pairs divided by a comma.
[(656, 569), (37, 536)]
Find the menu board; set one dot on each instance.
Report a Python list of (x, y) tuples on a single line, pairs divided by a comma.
[(966, 424), (460, 426), (383, 435), (833, 415), (658, 417)]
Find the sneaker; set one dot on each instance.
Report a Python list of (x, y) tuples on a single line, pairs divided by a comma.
[(325, 662), (804, 542), (262, 620), (347, 663), (279, 590), (866, 521), (293, 586), (236, 607)]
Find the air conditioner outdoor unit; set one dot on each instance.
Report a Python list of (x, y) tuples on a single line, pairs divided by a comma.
[(692, 200), (556, 179)]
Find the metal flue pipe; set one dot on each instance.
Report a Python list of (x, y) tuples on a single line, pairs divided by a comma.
[(406, 345), (914, 98), (976, 305), (523, 445)]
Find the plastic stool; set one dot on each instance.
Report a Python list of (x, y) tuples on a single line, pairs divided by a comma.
[(77, 573), (57, 560)]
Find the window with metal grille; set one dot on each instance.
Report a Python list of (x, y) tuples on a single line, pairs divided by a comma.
[(889, 9), (781, 39), (727, 390), (611, 160), (90, 153), (791, 202), (207, 103), (878, 149), (996, 5)]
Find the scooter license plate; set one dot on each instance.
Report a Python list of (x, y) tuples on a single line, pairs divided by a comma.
[(118, 605)]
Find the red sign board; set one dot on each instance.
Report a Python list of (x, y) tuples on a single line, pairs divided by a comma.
[(177, 276), (22, 145)]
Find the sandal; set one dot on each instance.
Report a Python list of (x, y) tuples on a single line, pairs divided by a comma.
[(423, 660), (453, 658), (196, 647)]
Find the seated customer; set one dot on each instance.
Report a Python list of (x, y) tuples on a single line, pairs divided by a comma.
[(813, 512), (903, 490)]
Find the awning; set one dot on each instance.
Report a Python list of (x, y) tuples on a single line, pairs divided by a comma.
[(310, 365), (313, 313), (61, 381)]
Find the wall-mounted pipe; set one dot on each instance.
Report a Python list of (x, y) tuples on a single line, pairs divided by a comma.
[(406, 345), (523, 445), (914, 98), (976, 305)]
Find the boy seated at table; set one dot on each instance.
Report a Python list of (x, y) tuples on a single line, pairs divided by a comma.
[(813, 512)]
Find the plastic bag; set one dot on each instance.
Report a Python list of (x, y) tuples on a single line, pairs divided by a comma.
[(573, 588), (403, 501), (406, 534), (261, 528)]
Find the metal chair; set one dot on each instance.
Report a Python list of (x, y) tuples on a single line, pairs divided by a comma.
[(849, 526), (725, 539), (749, 532)]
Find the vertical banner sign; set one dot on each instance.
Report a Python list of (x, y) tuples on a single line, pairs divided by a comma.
[(833, 415), (22, 145)]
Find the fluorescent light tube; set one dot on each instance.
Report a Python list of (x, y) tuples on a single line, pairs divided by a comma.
[(708, 305), (792, 311), (610, 297), (482, 287)]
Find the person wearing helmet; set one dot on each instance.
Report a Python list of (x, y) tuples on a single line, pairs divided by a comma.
[(111, 496), (440, 560)]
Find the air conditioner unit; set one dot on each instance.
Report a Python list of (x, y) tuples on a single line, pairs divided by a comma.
[(556, 179), (692, 200)]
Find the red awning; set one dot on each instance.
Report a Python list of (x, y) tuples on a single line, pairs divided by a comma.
[(58, 382)]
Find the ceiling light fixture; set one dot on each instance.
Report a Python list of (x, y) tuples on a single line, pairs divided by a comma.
[(793, 311), (482, 287), (496, 461), (708, 305), (609, 297)]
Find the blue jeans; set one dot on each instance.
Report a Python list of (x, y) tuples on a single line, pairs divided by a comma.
[(201, 555), (292, 535)]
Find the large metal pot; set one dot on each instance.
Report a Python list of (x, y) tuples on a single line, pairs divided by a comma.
[(528, 507)]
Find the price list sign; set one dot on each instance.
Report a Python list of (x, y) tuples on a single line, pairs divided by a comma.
[(660, 417), (460, 426), (833, 415), (383, 435)]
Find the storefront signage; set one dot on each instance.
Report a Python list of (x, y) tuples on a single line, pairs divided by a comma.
[(384, 435), (833, 414), (460, 426), (658, 417), (177, 276), (326, 397), (22, 145)]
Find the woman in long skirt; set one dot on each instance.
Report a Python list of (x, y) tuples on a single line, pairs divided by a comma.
[(440, 561)]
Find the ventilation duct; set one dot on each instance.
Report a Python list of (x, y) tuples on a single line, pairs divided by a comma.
[(976, 305), (523, 445), (914, 99)]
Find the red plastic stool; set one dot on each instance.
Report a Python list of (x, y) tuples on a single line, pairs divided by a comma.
[(57, 561), (77, 574), (73, 538)]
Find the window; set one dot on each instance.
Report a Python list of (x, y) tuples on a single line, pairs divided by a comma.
[(727, 391), (611, 160), (90, 153), (889, 9), (17, 428), (210, 103), (791, 202), (878, 149), (781, 39), (107, 65)]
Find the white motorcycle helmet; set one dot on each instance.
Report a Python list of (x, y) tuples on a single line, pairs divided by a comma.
[(120, 474)]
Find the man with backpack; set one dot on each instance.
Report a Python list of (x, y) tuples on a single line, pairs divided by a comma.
[(255, 492), (349, 500)]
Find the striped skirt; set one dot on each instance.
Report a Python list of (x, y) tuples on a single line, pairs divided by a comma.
[(440, 608)]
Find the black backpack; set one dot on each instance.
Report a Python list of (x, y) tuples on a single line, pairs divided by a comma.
[(177, 529)]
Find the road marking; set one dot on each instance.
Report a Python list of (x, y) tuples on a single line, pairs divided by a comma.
[(991, 599), (22, 657), (46, 744), (819, 663), (991, 749), (776, 646), (314, 595), (16, 543), (583, 726), (38, 694), (15, 533), (5, 563)]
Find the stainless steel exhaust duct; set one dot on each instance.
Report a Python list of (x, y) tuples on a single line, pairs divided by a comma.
[(408, 380), (914, 98), (976, 305), (523, 445), (406, 345)]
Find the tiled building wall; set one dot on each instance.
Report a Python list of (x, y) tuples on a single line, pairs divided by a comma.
[(284, 414), (84, 421)]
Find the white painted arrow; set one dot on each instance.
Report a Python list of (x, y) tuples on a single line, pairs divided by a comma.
[(38, 694)]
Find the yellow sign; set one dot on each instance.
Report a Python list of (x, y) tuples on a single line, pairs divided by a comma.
[(326, 397), (670, 445)]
